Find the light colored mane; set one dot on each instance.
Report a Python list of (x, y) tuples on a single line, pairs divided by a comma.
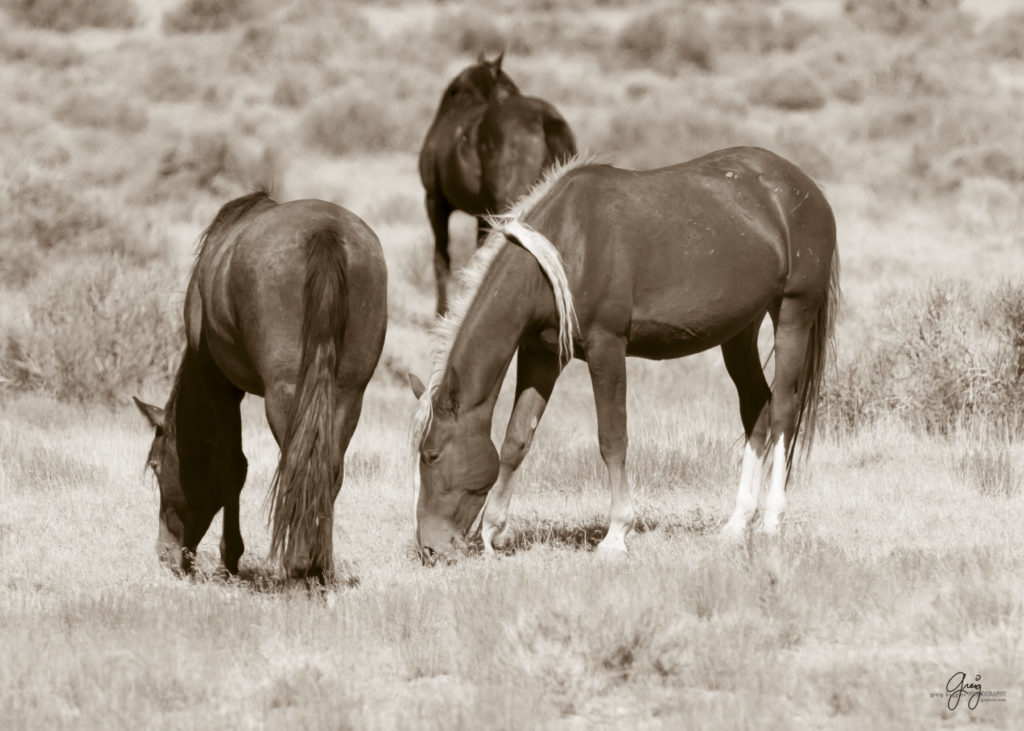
[(503, 227)]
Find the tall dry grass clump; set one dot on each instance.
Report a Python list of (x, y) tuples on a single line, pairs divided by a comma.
[(96, 332), (69, 15)]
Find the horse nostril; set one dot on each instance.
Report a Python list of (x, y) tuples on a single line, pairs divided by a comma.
[(428, 556)]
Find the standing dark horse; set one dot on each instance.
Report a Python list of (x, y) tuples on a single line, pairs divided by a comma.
[(286, 301), (487, 145), (658, 264)]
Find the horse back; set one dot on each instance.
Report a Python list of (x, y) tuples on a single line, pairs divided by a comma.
[(680, 258)]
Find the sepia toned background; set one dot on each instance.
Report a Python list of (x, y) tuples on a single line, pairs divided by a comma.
[(125, 124)]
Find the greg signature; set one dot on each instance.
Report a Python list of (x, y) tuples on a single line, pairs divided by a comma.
[(957, 687)]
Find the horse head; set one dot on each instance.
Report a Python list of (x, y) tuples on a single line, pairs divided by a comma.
[(184, 514), (482, 82), (458, 465)]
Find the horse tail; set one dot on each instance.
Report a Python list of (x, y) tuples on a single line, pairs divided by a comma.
[(820, 341), (303, 490), (551, 264), (560, 140)]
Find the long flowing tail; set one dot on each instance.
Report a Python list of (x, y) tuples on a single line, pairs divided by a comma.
[(820, 341), (302, 493)]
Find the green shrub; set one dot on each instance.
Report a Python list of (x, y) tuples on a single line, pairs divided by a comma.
[(205, 16), (793, 88), (98, 332), (68, 15), (667, 41)]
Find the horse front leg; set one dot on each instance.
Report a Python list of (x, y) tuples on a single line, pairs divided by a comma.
[(439, 211), (536, 372), (606, 359)]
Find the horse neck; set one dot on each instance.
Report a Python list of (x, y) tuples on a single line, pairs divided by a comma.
[(188, 410), (503, 309)]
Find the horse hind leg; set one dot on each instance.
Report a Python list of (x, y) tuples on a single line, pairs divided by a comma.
[(792, 333), (744, 366)]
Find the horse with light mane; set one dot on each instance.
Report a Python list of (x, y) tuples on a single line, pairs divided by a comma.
[(288, 302), (488, 144), (600, 263)]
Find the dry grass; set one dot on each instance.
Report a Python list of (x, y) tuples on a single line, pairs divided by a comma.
[(900, 561)]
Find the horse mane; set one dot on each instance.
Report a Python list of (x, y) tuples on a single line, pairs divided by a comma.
[(503, 228), (231, 212)]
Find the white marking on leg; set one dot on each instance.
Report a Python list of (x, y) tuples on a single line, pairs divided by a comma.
[(748, 493), (495, 511), (621, 514), (775, 502)]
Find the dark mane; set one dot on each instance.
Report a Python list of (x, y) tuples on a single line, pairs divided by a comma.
[(231, 212)]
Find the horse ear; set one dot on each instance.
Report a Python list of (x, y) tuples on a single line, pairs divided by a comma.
[(497, 62), (153, 414), (416, 385)]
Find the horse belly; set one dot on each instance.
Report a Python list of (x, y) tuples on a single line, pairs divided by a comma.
[(687, 313)]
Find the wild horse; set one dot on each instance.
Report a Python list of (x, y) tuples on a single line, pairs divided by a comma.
[(285, 301), (486, 146), (603, 263)]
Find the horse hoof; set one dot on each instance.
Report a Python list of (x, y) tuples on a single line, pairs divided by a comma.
[(732, 534), (613, 551)]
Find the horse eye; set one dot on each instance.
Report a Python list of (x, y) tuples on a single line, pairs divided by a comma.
[(430, 456), (154, 465)]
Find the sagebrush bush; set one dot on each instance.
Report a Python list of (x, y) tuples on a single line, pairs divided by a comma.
[(1002, 37), (98, 331), (218, 161), (68, 15), (357, 120), (667, 41), (470, 31), (655, 130), (940, 358), (102, 110), (897, 17), (754, 29), (42, 52), (792, 88), (204, 16), (49, 219)]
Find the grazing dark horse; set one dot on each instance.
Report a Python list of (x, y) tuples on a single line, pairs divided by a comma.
[(288, 302), (487, 146), (605, 263)]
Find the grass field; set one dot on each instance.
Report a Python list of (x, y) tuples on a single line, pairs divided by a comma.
[(123, 126)]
